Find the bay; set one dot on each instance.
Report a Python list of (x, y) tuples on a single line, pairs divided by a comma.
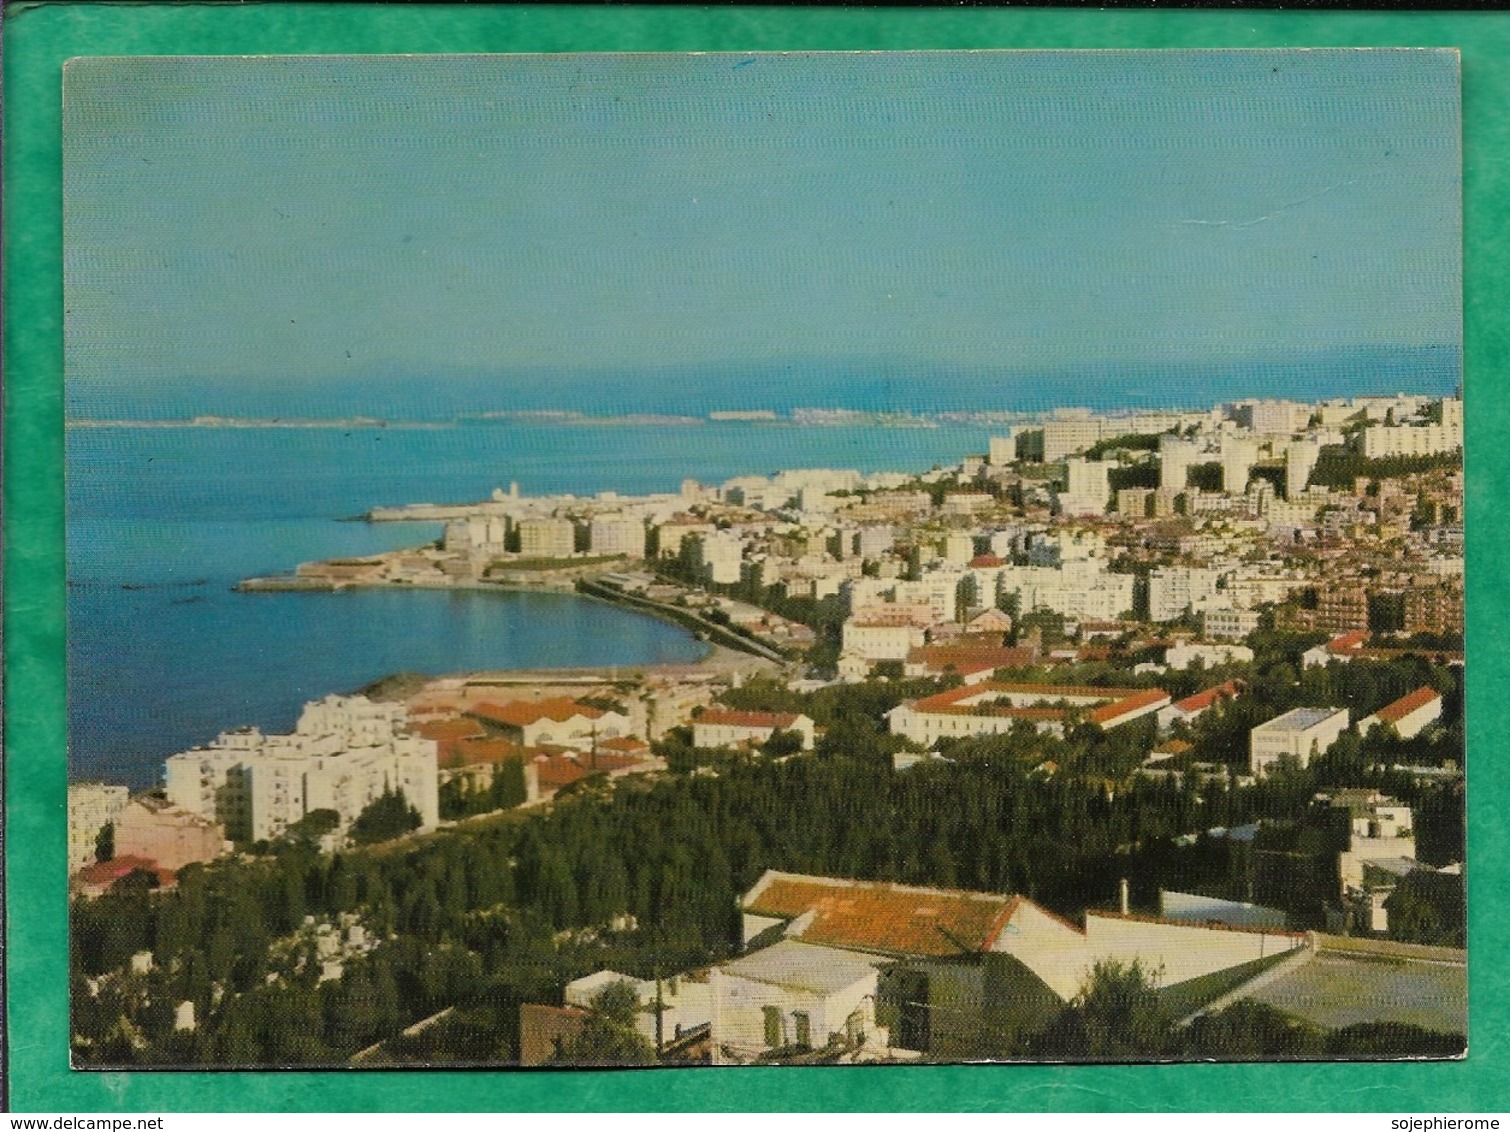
[(162, 522)]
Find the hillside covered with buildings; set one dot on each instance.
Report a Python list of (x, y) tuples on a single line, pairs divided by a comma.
[(1134, 737)]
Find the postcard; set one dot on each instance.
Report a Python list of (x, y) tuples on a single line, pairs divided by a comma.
[(773, 559)]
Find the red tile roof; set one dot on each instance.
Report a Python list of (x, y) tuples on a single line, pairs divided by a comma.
[(985, 560), (760, 719), (476, 752), (1347, 642), (1203, 700), (103, 874), (522, 713), (1108, 713), (556, 771), (442, 729), (1111, 704), (887, 918), (624, 745), (1402, 707)]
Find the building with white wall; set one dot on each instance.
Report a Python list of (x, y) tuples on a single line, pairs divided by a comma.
[(1301, 734), (1182, 656), (1228, 624), (1087, 487), (1239, 454), (547, 538), (1409, 715), (1176, 456), (724, 727), (994, 708), (559, 721), (683, 1001), (344, 752), (795, 996), (617, 534), (1412, 440), (1174, 590), (964, 956), (91, 807)]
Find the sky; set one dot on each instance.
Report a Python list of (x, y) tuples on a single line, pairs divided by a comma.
[(232, 222)]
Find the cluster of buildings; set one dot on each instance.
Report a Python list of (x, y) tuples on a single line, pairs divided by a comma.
[(847, 971)]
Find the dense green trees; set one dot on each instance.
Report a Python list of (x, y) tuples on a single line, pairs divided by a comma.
[(608, 1036), (643, 876), (387, 816)]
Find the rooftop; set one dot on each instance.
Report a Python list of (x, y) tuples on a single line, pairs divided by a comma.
[(1301, 719), (730, 718), (521, 713), (1402, 707), (887, 918), (802, 966)]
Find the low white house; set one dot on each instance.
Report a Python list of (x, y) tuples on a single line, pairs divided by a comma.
[(795, 996), (1409, 715), (684, 1001), (1181, 657), (720, 727)]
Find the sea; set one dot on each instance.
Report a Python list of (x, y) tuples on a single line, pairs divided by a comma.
[(162, 522)]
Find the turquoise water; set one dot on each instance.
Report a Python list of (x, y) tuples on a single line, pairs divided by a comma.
[(162, 522)]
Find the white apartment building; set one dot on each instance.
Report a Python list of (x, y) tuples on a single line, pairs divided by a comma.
[(476, 534), (1239, 454), (1175, 458), (1300, 461), (1276, 417), (91, 807), (1064, 437), (1302, 734), (674, 532), (617, 534), (887, 632), (1228, 624), (343, 753), (1174, 590), (1412, 440), (719, 555), (1087, 489), (547, 538), (877, 540), (1080, 589), (938, 590)]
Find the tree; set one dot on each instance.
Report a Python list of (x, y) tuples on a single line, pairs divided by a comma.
[(313, 825), (388, 816), (1250, 1030), (1116, 1017), (608, 1035), (782, 743), (104, 843)]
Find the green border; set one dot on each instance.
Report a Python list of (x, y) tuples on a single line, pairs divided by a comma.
[(38, 38)]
